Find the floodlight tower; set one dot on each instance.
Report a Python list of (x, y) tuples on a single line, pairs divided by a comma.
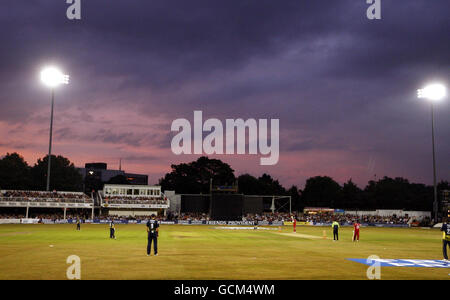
[(52, 77), (433, 93)]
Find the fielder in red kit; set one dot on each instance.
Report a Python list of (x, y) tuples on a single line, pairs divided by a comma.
[(294, 223), (356, 227)]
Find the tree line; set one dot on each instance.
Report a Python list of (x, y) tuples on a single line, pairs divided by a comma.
[(319, 191), (194, 178), (16, 174)]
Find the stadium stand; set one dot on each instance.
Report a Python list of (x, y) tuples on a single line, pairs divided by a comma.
[(76, 201), (265, 217), (39, 196), (135, 200)]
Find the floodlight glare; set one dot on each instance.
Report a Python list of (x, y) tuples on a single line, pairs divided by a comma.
[(52, 77), (433, 92)]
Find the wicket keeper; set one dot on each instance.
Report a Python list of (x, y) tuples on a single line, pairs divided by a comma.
[(445, 238), (153, 232)]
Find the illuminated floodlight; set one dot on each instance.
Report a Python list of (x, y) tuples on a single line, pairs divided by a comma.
[(434, 92), (52, 77)]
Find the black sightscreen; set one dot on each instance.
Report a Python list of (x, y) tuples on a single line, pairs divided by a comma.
[(253, 205), (227, 207), (195, 204)]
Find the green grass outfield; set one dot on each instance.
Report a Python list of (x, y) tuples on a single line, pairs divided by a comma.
[(202, 252)]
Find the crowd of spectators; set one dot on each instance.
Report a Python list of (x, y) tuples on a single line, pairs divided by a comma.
[(38, 196), (47, 216), (350, 219), (316, 218), (327, 218), (86, 215), (12, 216), (271, 217), (191, 217)]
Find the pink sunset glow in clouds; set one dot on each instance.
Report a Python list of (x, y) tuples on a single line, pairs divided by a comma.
[(343, 89)]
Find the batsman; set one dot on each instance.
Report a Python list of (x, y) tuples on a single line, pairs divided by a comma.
[(294, 223), (356, 227)]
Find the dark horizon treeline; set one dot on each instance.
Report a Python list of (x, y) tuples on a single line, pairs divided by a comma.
[(16, 174), (319, 191), (194, 178)]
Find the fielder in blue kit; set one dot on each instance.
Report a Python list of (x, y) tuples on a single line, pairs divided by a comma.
[(153, 232)]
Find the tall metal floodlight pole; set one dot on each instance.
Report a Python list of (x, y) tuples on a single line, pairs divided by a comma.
[(50, 142), (433, 92), (435, 202), (52, 78)]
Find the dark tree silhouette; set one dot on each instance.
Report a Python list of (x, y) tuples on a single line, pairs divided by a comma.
[(14, 172), (297, 204), (398, 193), (321, 191), (264, 185), (64, 175), (352, 196), (249, 185), (195, 177)]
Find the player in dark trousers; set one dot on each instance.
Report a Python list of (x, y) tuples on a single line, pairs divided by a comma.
[(255, 224), (445, 238), (335, 227), (78, 224), (112, 230), (152, 231)]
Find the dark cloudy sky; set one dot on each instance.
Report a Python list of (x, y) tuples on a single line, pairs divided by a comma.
[(343, 87)]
